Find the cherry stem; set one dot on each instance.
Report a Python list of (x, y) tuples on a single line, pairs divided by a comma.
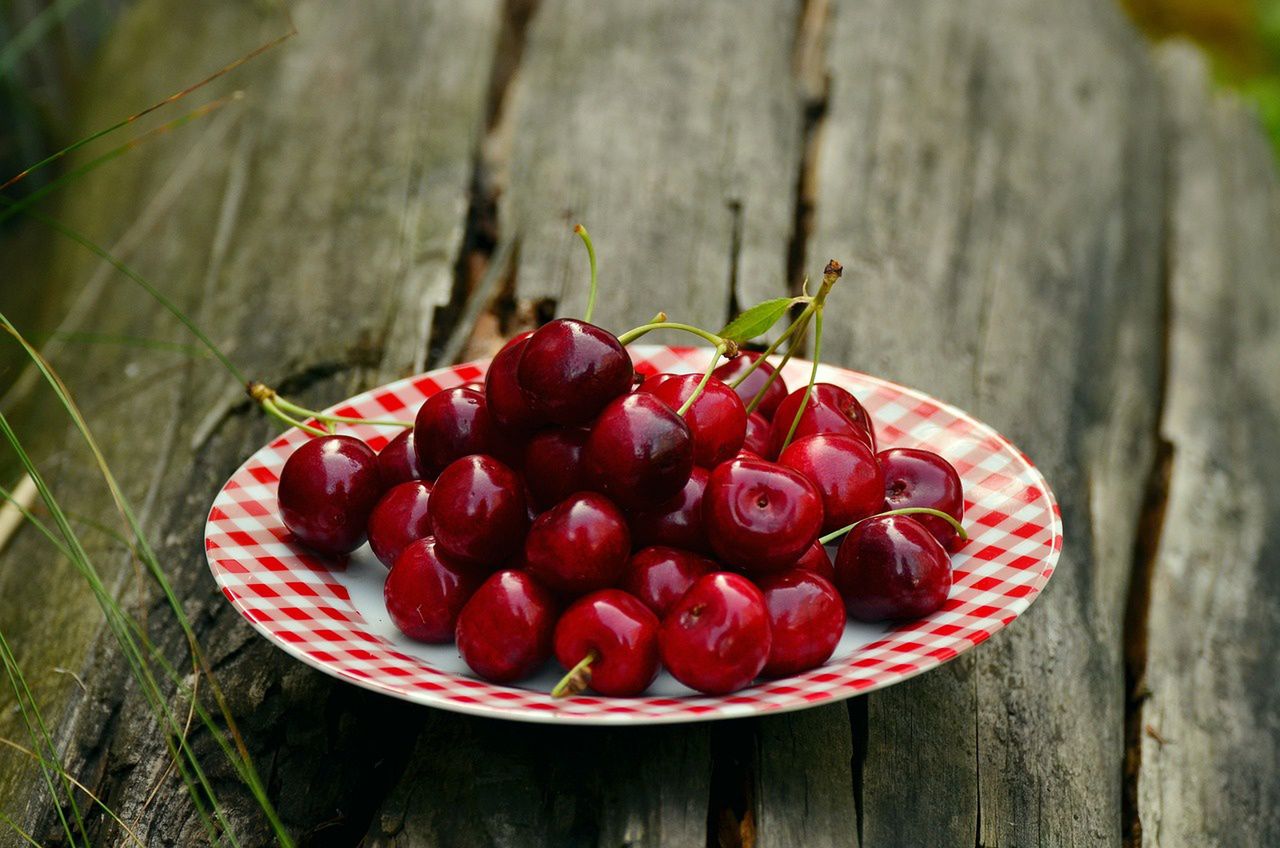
[(813, 376), (576, 679), (771, 349), (786, 357), (730, 346), (702, 384), (906, 510), (591, 255), (290, 413), (269, 407), (289, 406)]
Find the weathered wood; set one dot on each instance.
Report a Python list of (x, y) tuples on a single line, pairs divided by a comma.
[(1209, 727), (804, 780)]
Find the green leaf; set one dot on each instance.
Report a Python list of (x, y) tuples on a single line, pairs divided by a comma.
[(757, 320)]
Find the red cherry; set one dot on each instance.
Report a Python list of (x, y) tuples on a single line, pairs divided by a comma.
[(478, 511), (717, 418), (716, 638), (817, 560), (729, 371), (760, 516), (622, 635), (328, 488), (553, 465), (677, 521), (504, 631), (579, 545), (757, 437), (922, 478), (830, 409), (425, 592), (806, 620), (398, 461), (846, 473), (659, 576), (473, 385), (401, 517), (639, 451), (570, 370), (508, 403), (452, 424), (891, 567)]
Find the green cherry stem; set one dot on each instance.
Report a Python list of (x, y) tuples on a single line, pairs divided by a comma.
[(771, 349), (731, 347), (906, 510), (702, 384), (774, 375), (269, 406), (591, 255), (576, 679), (813, 377), (289, 406), (292, 414)]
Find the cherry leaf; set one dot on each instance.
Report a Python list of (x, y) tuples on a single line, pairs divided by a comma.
[(757, 320)]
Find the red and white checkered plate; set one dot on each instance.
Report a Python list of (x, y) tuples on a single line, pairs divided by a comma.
[(330, 614)]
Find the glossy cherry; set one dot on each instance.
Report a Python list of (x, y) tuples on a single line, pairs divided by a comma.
[(579, 545), (570, 370), (639, 451), (398, 461), (619, 633), (425, 592), (817, 560), (478, 511), (553, 465), (846, 473), (830, 409), (757, 435), (659, 576), (716, 638), (915, 477), (508, 404), (760, 516), (328, 487), (891, 567), (452, 424), (504, 631), (806, 620), (747, 389), (677, 521), (400, 517), (717, 418)]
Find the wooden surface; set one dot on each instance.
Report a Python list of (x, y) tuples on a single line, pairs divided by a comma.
[(1042, 222)]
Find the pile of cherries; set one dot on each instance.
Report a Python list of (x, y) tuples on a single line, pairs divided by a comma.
[(569, 506)]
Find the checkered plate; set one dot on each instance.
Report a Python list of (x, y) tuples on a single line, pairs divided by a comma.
[(330, 614)]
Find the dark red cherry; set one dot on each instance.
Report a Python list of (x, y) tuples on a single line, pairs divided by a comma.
[(716, 638), (760, 516), (757, 437), (830, 409), (660, 576), (508, 404), (891, 567), (806, 620), (553, 465), (504, 632), (620, 632), (579, 545), (639, 452), (452, 424), (817, 560), (328, 488), (922, 478), (398, 461), (401, 517), (478, 511), (717, 418), (747, 390), (570, 370), (846, 473), (677, 521), (425, 592)]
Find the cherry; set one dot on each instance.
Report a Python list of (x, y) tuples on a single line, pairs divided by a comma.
[(425, 592), (891, 567), (475, 385), (508, 403), (846, 473), (610, 639), (639, 451), (760, 516), (553, 465), (401, 517), (717, 419), (659, 576), (806, 620), (915, 477), (817, 560), (830, 409), (478, 511), (757, 436), (328, 488), (716, 637), (398, 461), (451, 424), (747, 389), (579, 545), (677, 521), (570, 370), (504, 631)]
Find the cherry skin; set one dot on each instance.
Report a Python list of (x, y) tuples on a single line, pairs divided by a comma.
[(570, 370), (553, 465), (846, 473), (817, 560), (717, 419), (659, 576), (757, 436), (639, 451), (579, 545), (425, 592), (806, 620), (716, 638), (830, 409), (922, 478), (891, 567), (328, 488), (508, 404), (478, 511), (398, 461), (402, 516), (620, 632), (504, 631), (760, 516), (452, 424), (729, 371), (677, 521)]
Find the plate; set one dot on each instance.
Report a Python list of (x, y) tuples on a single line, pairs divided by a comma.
[(330, 614)]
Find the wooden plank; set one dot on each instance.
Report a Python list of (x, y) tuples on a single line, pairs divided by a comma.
[(804, 780), (1209, 728)]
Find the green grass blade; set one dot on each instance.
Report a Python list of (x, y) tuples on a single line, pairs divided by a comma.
[(40, 25)]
